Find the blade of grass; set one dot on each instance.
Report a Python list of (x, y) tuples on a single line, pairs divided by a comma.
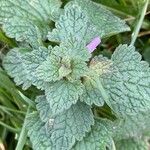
[(5, 94), (12, 110), (23, 134), (18, 100), (6, 111), (9, 127), (7, 84), (27, 100), (6, 102), (3, 133), (139, 23)]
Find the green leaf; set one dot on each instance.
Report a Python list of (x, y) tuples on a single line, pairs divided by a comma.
[(131, 144), (73, 49), (120, 9), (39, 137), (99, 66), (67, 60), (128, 86), (91, 93), (79, 69), (97, 139), (104, 21), (132, 126), (43, 108), (32, 61), (63, 129), (15, 67), (49, 70), (28, 20), (62, 94), (84, 20), (123, 81), (20, 63), (43, 65), (74, 56), (72, 24), (71, 124)]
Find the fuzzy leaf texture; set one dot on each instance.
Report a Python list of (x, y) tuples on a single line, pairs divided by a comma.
[(76, 85), (99, 66), (128, 88), (65, 128), (85, 20), (125, 88), (43, 65), (28, 20), (73, 24), (15, 67), (71, 125), (62, 94), (20, 63), (104, 21), (43, 108), (132, 126), (37, 133), (132, 144), (67, 60), (97, 139)]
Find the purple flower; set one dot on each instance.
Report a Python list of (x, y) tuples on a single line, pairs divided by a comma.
[(93, 44)]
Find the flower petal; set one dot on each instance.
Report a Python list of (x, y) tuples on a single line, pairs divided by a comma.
[(93, 44)]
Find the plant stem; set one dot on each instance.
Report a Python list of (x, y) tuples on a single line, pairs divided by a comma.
[(139, 23), (98, 84), (23, 134), (103, 92)]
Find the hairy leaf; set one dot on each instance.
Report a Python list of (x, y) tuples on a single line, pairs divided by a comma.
[(73, 49), (132, 126), (86, 20), (132, 144), (74, 56), (71, 124), (49, 70), (62, 94), (91, 93), (104, 21), (13, 64), (20, 63), (99, 66), (128, 88), (123, 81), (32, 61), (67, 60), (43, 108), (72, 24), (37, 132), (97, 139), (28, 20)]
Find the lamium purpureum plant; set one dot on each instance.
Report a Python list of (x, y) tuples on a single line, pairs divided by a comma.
[(88, 102)]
